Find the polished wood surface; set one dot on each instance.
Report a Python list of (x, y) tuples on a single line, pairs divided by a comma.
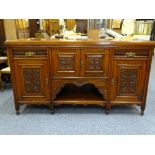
[(79, 43), (101, 72)]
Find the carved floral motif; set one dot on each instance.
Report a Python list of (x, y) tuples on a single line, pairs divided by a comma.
[(94, 63), (32, 80), (128, 81), (66, 63)]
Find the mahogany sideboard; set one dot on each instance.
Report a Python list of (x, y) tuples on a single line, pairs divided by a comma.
[(96, 72)]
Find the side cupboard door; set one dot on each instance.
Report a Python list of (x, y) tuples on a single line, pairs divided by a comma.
[(128, 78), (32, 80)]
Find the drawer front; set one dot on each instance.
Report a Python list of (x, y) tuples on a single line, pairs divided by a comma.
[(29, 52), (131, 53)]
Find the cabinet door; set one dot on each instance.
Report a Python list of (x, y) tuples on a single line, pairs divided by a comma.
[(128, 80), (94, 62), (66, 62), (32, 80)]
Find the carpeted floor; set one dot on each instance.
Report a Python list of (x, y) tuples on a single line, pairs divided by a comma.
[(78, 119)]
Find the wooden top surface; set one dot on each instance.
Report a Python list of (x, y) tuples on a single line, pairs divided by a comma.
[(74, 43)]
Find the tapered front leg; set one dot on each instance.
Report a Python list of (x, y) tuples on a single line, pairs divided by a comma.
[(108, 108), (142, 110), (142, 113), (52, 109), (107, 111)]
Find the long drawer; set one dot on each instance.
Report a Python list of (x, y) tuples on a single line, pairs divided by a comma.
[(131, 53), (29, 52)]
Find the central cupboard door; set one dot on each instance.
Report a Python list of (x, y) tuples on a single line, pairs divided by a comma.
[(73, 62), (66, 62), (94, 62)]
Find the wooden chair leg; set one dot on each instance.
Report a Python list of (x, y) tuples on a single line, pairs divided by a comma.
[(1, 82)]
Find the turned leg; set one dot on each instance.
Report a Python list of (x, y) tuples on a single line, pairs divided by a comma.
[(108, 109), (17, 107), (52, 109), (142, 113), (142, 110)]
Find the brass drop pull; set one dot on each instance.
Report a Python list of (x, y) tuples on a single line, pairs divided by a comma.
[(29, 54), (47, 82), (130, 54), (113, 82)]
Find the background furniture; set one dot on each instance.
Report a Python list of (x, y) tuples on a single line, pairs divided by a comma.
[(33, 27), (104, 73), (4, 70), (2, 39), (3, 59), (153, 31), (70, 23), (81, 25)]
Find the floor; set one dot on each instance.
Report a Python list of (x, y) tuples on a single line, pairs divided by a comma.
[(78, 119)]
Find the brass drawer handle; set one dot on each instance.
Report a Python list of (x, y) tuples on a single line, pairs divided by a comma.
[(29, 54), (130, 54)]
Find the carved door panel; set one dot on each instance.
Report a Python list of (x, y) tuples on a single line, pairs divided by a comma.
[(66, 62), (94, 62), (128, 79), (32, 78)]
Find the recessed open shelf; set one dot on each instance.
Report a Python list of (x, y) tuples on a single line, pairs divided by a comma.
[(86, 94)]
